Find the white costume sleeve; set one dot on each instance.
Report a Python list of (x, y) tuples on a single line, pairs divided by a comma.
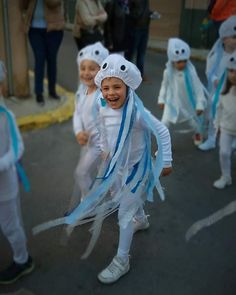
[(7, 157), (198, 90), (164, 87), (164, 137), (77, 122)]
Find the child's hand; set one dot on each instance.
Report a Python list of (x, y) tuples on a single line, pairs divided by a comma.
[(161, 106), (199, 112), (166, 171), (82, 137)]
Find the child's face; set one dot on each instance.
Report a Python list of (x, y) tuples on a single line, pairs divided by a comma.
[(232, 76), (180, 65), (87, 72), (229, 44), (114, 91)]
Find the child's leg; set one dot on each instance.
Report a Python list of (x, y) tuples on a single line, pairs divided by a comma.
[(210, 142), (11, 226), (87, 164), (128, 206), (120, 263), (225, 160), (140, 221), (225, 153)]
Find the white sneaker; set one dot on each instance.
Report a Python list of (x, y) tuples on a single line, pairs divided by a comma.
[(222, 182), (207, 145), (114, 271), (140, 224)]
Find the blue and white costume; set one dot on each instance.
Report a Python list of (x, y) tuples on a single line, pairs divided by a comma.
[(181, 92), (11, 150), (128, 174), (216, 75), (85, 119), (226, 121)]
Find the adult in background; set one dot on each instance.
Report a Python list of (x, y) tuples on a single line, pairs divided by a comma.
[(115, 28), (88, 24), (44, 23), (139, 20)]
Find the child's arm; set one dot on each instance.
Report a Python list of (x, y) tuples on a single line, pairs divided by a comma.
[(198, 89), (163, 90), (166, 143), (81, 135), (7, 156)]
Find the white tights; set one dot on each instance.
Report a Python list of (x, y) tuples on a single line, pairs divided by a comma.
[(226, 141), (88, 163), (10, 223), (126, 233)]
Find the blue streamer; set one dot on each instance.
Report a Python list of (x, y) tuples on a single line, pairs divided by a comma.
[(188, 82), (19, 168), (219, 54), (217, 94)]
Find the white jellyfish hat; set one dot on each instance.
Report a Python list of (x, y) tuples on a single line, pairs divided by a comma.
[(228, 27), (95, 52), (117, 66), (178, 50)]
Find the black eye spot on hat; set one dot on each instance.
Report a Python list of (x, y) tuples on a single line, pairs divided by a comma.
[(177, 51), (123, 68), (97, 52), (105, 65), (81, 53), (232, 59), (183, 51), (234, 28)]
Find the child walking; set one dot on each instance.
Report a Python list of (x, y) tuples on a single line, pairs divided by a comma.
[(85, 119), (215, 72), (11, 150), (129, 175), (182, 94), (225, 122)]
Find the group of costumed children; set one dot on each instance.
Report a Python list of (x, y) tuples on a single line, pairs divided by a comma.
[(116, 170)]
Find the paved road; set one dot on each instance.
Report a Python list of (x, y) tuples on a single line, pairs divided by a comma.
[(162, 262)]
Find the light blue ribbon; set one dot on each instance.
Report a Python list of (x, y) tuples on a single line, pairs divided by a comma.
[(217, 94), (219, 54), (19, 168), (188, 83)]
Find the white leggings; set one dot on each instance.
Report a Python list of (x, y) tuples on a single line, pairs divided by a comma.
[(126, 234), (10, 223), (226, 141), (88, 162)]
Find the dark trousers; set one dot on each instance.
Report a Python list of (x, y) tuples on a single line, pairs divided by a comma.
[(138, 46), (45, 47)]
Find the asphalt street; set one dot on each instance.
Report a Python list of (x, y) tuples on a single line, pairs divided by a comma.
[(162, 262)]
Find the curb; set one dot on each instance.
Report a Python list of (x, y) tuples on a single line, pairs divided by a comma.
[(57, 115)]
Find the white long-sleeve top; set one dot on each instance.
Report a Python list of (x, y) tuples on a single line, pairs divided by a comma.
[(111, 119), (226, 112), (174, 95), (84, 118), (8, 176)]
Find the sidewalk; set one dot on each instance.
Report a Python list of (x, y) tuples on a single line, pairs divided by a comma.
[(30, 115)]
